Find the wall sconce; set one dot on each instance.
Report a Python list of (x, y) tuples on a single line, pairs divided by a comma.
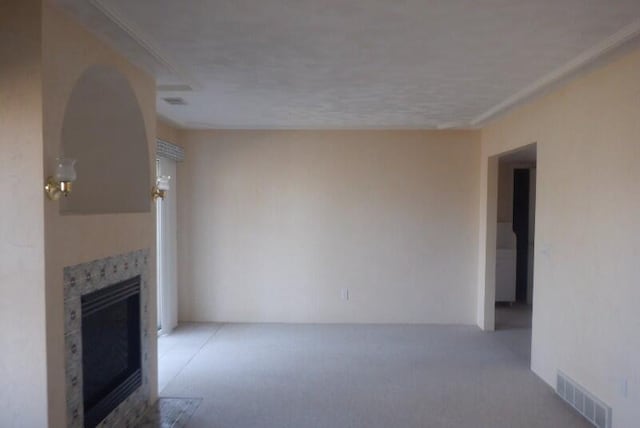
[(61, 182), (161, 187)]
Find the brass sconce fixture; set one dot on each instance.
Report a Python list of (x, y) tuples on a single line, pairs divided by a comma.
[(61, 183), (161, 187)]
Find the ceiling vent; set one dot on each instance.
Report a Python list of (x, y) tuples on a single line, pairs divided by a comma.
[(175, 101), (174, 88)]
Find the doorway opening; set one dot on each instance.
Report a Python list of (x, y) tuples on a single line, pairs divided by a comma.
[(515, 232)]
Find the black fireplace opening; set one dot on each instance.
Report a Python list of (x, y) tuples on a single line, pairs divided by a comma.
[(111, 356)]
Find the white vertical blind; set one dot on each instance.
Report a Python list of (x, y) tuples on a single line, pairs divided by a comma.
[(167, 250)]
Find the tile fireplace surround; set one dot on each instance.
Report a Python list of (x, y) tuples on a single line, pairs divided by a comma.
[(83, 279)]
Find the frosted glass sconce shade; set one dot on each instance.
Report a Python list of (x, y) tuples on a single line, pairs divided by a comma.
[(161, 187), (61, 182), (163, 182), (65, 170)]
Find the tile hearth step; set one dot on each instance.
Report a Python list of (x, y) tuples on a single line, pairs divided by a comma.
[(170, 413)]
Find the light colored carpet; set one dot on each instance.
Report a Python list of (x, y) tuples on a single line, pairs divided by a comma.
[(365, 376), (515, 316)]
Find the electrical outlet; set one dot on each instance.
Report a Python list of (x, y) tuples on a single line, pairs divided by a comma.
[(344, 294)]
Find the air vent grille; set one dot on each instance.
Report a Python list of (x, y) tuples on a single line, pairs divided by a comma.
[(175, 101), (593, 409), (174, 88)]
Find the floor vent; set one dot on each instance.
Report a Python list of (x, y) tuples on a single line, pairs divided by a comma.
[(596, 412)]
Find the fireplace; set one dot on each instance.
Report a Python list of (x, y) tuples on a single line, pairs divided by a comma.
[(107, 340), (111, 363)]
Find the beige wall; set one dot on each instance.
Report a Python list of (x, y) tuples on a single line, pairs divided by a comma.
[(273, 224), (71, 239), (23, 393), (585, 317), (168, 132)]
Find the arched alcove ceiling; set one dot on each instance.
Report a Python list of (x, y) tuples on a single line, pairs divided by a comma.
[(104, 130)]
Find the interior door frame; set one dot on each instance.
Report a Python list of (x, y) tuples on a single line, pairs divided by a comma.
[(488, 250)]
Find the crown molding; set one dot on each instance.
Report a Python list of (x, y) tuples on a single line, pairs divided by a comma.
[(587, 57), (145, 42), (450, 125)]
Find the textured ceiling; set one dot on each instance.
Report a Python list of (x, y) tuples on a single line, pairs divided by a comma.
[(349, 63)]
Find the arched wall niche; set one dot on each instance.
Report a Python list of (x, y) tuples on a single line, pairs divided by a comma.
[(103, 128)]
